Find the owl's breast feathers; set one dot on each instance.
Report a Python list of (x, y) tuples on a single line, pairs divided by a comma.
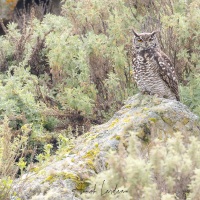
[(167, 72), (165, 67)]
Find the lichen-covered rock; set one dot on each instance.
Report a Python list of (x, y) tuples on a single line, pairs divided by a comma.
[(148, 116)]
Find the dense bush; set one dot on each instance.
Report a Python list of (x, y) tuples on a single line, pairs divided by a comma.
[(82, 59), (191, 93), (166, 169), (11, 158), (82, 67)]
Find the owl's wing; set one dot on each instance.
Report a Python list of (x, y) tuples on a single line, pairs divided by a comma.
[(167, 72), (134, 62)]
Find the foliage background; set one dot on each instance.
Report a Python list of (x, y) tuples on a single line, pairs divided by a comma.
[(73, 70)]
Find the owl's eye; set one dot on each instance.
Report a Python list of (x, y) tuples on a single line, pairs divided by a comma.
[(139, 40)]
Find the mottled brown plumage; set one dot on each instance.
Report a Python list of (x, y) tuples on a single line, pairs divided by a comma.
[(153, 70)]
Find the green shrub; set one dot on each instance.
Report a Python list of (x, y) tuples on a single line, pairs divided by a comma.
[(50, 123), (81, 57), (167, 169), (190, 94), (17, 94), (11, 150)]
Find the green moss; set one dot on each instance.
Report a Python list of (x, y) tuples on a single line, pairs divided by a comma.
[(35, 169), (185, 121), (167, 120), (51, 178), (145, 109), (153, 119), (71, 176), (92, 153), (117, 137), (90, 156), (128, 106), (92, 137), (90, 164), (96, 145), (80, 184)]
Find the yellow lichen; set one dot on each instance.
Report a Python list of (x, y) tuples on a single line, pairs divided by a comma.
[(92, 137), (128, 106), (167, 120), (117, 137), (90, 164), (35, 169), (91, 155), (80, 184), (51, 178), (71, 176), (96, 145), (185, 121), (114, 123), (126, 120)]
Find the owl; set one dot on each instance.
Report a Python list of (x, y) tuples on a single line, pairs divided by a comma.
[(153, 71)]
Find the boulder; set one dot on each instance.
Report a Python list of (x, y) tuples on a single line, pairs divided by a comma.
[(64, 175)]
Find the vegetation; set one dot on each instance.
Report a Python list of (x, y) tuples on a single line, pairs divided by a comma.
[(169, 170), (74, 70)]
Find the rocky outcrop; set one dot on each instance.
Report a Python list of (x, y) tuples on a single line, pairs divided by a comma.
[(67, 173)]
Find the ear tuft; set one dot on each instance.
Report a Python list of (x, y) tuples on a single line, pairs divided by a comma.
[(154, 32), (136, 35)]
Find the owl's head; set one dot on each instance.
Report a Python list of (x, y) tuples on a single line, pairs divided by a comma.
[(145, 41)]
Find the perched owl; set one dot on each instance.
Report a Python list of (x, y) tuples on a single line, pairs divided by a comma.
[(153, 70)]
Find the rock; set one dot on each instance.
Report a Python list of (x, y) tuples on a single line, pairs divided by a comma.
[(68, 172)]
